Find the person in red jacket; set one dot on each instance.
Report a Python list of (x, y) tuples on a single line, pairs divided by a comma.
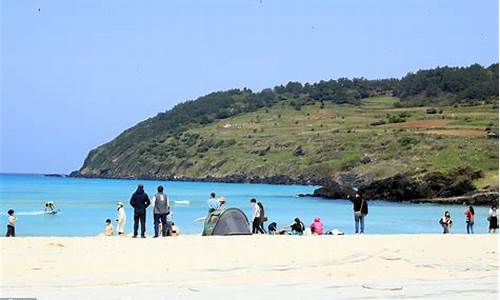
[(469, 219)]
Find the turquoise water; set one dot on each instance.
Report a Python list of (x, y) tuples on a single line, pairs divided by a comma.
[(86, 203)]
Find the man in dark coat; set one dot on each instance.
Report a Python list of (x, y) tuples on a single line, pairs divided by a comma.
[(140, 201), (360, 208)]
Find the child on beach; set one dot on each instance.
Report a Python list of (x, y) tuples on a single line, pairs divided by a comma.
[(175, 230), (446, 222), (317, 227), (109, 230), (469, 219), (121, 218), (170, 222), (11, 225)]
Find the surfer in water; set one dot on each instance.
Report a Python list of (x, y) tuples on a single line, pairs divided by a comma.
[(50, 208)]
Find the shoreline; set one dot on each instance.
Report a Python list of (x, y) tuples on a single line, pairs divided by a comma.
[(478, 197), (194, 267)]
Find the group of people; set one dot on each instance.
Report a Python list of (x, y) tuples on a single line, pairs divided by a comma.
[(360, 207), (360, 211), (446, 221), (163, 221), (162, 214)]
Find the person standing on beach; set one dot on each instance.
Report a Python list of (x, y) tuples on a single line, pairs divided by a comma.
[(262, 217), (160, 210), (222, 203), (213, 204), (11, 225), (121, 217), (140, 201), (360, 207), (255, 217), (469, 219), (446, 222), (493, 219)]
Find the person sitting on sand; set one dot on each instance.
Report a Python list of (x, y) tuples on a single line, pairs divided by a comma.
[(213, 204), (317, 227), (272, 228), (121, 218), (297, 227), (108, 229), (175, 230), (446, 222), (493, 219), (11, 225), (469, 219)]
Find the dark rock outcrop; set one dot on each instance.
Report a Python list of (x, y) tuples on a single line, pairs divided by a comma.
[(454, 187)]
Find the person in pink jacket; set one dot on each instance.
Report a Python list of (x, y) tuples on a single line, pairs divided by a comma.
[(317, 226)]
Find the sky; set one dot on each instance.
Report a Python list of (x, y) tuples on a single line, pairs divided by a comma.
[(75, 74)]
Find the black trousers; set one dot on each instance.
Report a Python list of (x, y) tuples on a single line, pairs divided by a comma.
[(11, 231), (256, 226), (140, 217)]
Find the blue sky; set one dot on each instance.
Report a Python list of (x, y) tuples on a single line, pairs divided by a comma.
[(77, 73)]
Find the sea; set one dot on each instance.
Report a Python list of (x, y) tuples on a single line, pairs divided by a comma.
[(85, 204)]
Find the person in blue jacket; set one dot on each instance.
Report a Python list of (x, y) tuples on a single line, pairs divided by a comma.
[(140, 201)]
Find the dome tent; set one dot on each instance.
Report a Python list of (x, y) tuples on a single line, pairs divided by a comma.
[(231, 221)]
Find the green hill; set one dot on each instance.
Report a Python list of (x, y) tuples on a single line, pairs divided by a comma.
[(343, 131)]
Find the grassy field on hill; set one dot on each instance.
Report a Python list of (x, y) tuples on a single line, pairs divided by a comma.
[(433, 133), (375, 139)]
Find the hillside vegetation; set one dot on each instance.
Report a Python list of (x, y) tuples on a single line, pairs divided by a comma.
[(365, 130)]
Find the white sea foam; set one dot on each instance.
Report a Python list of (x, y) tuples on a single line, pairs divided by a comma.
[(184, 202), (26, 213)]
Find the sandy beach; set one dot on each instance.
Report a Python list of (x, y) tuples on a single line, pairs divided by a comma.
[(251, 267)]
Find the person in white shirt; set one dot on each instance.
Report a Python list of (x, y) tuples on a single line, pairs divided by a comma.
[(121, 218), (255, 217)]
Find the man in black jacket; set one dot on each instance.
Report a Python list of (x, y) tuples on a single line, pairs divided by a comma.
[(360, 207), (140, 201)]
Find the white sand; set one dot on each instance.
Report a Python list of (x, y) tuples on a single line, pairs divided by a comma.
[(252, 267)]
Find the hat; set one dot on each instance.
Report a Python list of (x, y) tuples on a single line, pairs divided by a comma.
[(119, 203)]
